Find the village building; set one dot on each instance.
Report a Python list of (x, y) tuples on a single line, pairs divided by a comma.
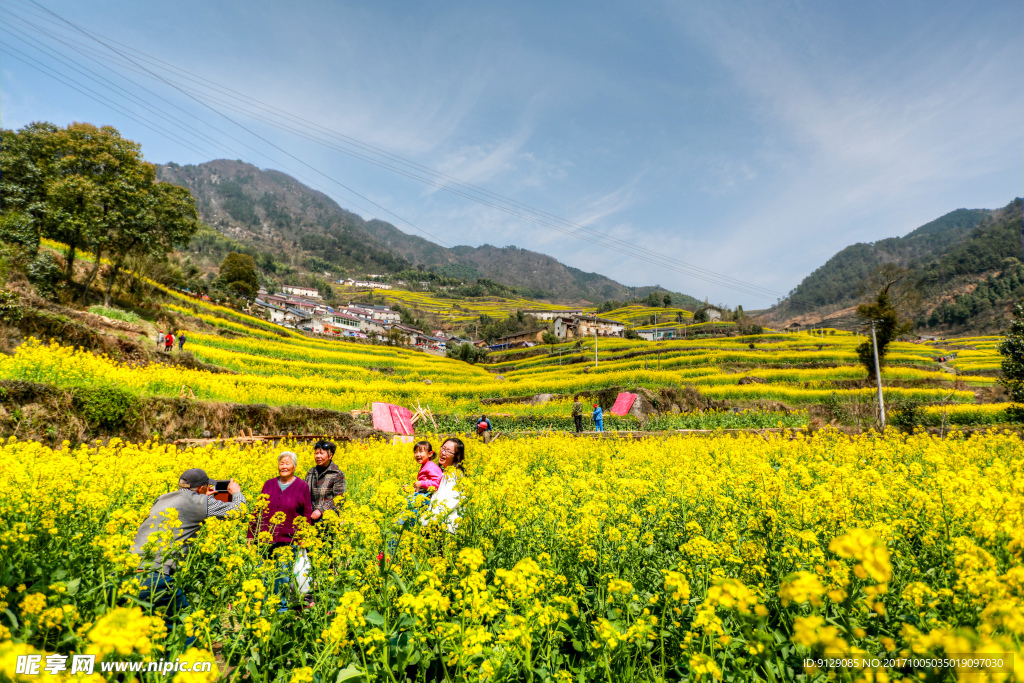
[(603, 327), (297, 317), (548, 316), (336, 323), (366, 284), (301, 291), (384, 313), (304, 306), (519, 340), (371, 327), (659, 334), (565, 327), (274, 313)]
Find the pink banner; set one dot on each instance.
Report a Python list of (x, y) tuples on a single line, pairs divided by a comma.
[(623, 402), (388, 417)]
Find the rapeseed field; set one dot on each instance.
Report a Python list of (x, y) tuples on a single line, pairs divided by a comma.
[(663, 559)]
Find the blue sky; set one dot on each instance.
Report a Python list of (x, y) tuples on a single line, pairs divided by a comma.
[(752, 140)]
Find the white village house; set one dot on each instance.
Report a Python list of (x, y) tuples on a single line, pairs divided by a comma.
[(364, 283), (301, 291), (336, 323), (553, 315), (604, 327)]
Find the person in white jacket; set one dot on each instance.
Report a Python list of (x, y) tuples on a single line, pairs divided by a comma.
[(444, 504)]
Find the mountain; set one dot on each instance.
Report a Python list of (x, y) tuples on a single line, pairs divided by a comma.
[(966, 267), (306, 229), (836, 283)]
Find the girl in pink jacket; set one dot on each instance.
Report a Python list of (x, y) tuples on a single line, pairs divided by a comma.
[(427, 481), (429, 476)]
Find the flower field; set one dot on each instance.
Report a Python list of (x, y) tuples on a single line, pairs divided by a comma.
[(275, 366), (278, 366), (675, 558)]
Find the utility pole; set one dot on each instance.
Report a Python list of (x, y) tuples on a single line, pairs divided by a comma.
[(595, 341), (655, 327), (878, 377)]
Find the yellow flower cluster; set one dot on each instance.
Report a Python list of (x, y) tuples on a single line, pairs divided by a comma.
[(827, 542)]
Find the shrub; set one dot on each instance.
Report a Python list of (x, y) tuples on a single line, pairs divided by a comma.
[(115, 314), (45, 275), (105, 406)]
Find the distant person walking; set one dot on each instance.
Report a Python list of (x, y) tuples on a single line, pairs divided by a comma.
[(160, 338), (168, 342), (181, 342), (577, 414), (598, 416)]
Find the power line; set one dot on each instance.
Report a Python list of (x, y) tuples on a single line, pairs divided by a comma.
[(371, 154), (173, 137), (88, 34)]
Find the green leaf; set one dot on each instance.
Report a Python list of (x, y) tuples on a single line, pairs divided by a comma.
[(73, 586), (374, 617), (350, 671)]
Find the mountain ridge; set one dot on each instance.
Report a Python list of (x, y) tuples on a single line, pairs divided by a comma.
[(966, 267), (277, 213)]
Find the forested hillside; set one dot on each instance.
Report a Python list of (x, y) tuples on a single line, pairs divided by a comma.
[(836, 283), (966, 267), (289, 228), (974, 284)]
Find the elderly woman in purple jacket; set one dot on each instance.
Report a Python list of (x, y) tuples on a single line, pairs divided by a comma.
[(290, 496)]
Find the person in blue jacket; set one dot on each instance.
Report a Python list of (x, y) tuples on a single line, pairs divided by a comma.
[(598, 418)]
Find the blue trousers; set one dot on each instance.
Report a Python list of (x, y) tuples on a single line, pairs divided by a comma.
[(283, 577), (599, 425), (159, 590)]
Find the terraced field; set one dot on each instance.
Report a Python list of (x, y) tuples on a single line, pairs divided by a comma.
[(783, 374)]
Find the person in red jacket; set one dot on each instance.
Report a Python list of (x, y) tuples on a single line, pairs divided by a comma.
[(274, 527)]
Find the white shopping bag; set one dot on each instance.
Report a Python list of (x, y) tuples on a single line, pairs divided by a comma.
[(301, 571)]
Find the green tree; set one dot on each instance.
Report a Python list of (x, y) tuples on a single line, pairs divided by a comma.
[(550, 338), (395, 337), (701, 316), (25, 156), (92, 182), (892, 294), (667, 300), (90, 188), (164, 219), (1012, 351), (466, 352), (238, 273)]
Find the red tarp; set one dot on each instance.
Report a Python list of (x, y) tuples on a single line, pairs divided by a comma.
[(623, 402), (388, 417)]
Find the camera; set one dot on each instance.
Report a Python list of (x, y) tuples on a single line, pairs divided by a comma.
[(220, 490)]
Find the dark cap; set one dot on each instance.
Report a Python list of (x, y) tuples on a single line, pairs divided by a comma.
[(326, 445), (194, 478)]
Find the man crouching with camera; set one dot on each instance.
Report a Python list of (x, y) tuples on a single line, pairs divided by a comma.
[(194, 503)]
